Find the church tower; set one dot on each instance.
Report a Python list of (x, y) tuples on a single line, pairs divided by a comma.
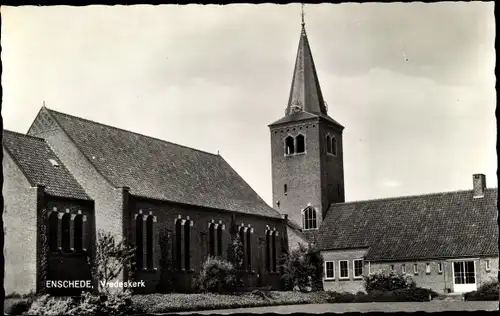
[(306, 148)]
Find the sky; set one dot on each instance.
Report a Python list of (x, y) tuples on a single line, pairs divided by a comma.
[(413, 83)]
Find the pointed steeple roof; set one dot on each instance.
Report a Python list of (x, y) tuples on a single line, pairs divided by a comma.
[(305, 92)]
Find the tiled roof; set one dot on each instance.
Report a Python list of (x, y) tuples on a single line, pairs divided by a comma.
[(33, 155), (161, 170), (442, 225)]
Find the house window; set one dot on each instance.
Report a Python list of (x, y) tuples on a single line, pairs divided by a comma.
[(344, 269), (149, 242), (187, 245), (289, 146), (403, 268), (329, 270), (328, 144), (428, 268), (66, 234), (219, 240), (440, 267), (53, 230), (78, 233), (285, 189), (178, 243), (392, 267), (211, 240), (301, 143), (488, 266), (139, 236), (310, 218), (415, 269), (358, 268), (334, 146)]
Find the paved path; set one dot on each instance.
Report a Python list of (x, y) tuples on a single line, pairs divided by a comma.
[(432, 306)]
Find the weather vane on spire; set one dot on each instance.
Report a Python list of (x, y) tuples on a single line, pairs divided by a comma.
[(302, 14)]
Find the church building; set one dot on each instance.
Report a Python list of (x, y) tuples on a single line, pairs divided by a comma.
[(445, 241)]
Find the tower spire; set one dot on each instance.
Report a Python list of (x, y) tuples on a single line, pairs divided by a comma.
[(305, 92)]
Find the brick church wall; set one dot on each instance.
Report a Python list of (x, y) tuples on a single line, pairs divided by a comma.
[(20, 227), (166, 213)]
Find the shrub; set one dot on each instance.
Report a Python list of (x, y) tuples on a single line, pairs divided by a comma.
[(401, 295), (46, 305), (16, 306), (388, 281), (112, 256), (489, 291), (303, 268), (216, 275)]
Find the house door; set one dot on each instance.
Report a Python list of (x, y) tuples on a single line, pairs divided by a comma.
[(464, 276)]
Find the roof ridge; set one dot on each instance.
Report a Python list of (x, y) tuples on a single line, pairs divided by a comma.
[(128, 131), (24, 135), (409, 196)]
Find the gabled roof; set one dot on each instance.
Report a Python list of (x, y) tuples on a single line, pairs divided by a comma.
[(33, 156), (156, 169), (441, 225)]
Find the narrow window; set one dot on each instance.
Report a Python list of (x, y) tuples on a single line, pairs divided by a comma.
[(178, 243), (334, 146), (289, 145), (358, 268), (285, 189), (428, 268), (78, 233), (328, 144), (249, 249), (219, 240), (440, 267), (392, 267), (53, 230), (329, 270), (310, 218), (149, 241), (187, 245), (139, 237), (268, 251), (415, 269), (488, 266), (211, 240), (301, 143), (273, 251), (344, 269), (403, 269), (66, 236), (242, 240)]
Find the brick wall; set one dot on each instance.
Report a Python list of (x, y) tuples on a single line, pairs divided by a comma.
[(294, 238), (349, 284), (166, 213), (20, 227)]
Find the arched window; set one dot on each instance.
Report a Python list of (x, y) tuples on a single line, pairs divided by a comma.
[(178, 244), (78, 233), (301, 143), (289, 145), (139, 237), (211, 240), (334, 146), (219, 240), (310, 218), (328, 144), (149, 242), (53, 230), (249, 249), (187, 245), (273, 251), (268, 250), (66, 234)]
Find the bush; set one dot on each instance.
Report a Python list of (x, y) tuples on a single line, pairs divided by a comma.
[(388, 281), (401, 295), (87, 304), (489, 291), (303, 268), (216, 275), (16, 306)]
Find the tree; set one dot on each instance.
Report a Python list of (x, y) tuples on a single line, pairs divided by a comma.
[(303, 268), (112, 257)]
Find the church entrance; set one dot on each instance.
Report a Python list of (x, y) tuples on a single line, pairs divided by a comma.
[(464, 276)]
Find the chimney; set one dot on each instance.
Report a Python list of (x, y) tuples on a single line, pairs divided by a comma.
[(479, 181)]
